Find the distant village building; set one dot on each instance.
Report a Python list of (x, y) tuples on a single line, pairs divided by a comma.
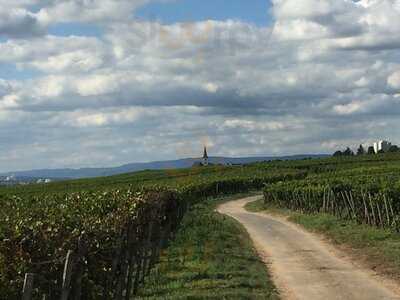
[(43, 180), (205, 157), (10, 178), (382, 146)]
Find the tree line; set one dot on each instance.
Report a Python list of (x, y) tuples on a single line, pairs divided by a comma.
[(361, 150)]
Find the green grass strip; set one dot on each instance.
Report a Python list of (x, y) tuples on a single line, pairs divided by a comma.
[(211, 257)]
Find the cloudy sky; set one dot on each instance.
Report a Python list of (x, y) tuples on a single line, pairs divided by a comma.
[(106, 82)]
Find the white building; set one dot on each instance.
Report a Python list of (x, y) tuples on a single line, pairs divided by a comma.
[(43, 180), (382, 145), (10, 178)]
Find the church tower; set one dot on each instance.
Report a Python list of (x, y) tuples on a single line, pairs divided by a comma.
[(205, 157)]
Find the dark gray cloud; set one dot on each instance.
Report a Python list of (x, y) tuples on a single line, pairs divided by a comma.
[(19, 23)]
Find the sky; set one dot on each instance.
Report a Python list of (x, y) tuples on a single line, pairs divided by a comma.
[(90, 83)]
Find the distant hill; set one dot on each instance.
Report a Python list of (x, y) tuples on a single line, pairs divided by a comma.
[(133, 167)]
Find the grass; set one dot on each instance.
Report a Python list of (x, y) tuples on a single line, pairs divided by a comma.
[(376, 248), (211, 257)]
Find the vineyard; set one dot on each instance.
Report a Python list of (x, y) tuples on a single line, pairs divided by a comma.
[(100, 238), (101, 243), (358, 189)]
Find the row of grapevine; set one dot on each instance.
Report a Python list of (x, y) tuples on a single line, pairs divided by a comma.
[(370, 201), (114, 237)]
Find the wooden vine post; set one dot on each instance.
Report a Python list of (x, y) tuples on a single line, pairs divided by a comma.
[(67, 275), (28, 286)]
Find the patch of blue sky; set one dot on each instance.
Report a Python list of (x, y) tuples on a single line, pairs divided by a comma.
[(35, 8), (9, 71), (75, 29), (254, 11)]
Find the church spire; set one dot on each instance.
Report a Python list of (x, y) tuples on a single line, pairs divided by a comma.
[(205, 157)]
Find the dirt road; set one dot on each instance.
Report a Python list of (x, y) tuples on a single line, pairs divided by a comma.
[(302, 265)]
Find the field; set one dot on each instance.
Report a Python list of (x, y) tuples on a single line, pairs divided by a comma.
[(166, 178), (115, 228)]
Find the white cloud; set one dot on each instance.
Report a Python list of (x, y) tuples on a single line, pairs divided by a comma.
[(251, 125), (98, 85), (98, 11), (53, 54), (18, 21), (325, 72), (348, 109), (394, 80), (108, 117), (76, 61), (211, 87)]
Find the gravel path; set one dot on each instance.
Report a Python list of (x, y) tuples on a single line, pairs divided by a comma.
[(302, 265)]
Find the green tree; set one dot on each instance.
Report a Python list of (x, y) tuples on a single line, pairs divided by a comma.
[(348, 152), (371, 150), (360, 150), (394, 149), (338, 153)]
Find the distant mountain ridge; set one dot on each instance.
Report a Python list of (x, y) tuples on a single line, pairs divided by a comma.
[(157, 165)]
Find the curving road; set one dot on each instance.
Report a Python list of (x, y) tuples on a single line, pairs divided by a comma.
[(302, 265)]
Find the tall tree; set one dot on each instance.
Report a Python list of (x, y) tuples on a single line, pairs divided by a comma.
[(360, 150), (371, 150), (348, 152), (337, 153)]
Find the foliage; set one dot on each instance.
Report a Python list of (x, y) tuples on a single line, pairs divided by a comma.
[(371, 150), (338, 153), (360, 189), (394, 149), (347, 152), (361, 150), (38, 228)]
